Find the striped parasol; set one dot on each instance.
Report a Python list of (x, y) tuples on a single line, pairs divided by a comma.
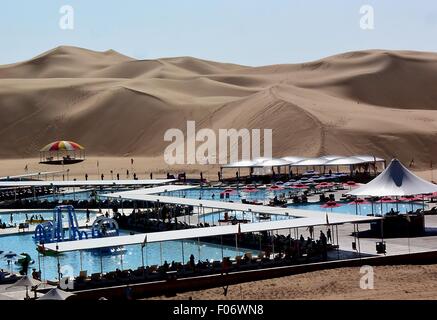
[(62, 146)]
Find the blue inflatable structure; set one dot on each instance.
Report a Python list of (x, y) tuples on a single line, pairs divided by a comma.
[(55, 231)]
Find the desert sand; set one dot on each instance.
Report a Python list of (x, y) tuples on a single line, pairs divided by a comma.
[(390, 282), (368, 102)]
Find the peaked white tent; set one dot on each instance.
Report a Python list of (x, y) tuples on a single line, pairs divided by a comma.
[(56, 294), (395, 180)]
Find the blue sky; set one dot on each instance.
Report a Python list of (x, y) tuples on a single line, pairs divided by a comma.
[(250, 32)]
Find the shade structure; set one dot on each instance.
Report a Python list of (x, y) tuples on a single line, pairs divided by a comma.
[(275, 163), (395, 180), (330, 204), (359, 202), (26, 281), (62, 145), (293, 159), (244, 164), (56, 294)]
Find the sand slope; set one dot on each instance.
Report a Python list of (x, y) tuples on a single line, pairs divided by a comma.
[(375, 102)]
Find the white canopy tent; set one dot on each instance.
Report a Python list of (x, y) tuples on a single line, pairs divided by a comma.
[(293, 160), (395, 180)]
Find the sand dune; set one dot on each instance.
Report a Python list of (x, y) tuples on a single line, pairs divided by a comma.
[(373, 102)]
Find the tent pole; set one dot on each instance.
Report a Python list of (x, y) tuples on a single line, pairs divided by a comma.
[(101, 262), (221, 242), (81, 260), (142, 256), (183, 254), (338, 245), (160, 252), (358, 241)]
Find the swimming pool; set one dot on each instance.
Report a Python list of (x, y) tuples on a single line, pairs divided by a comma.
[(363, 210), (78, 195), (70, 261), (235, 195)]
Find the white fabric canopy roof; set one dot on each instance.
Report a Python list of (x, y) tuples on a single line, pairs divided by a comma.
[(275, 163), (294, 159), (304, 162), (344, 161), (395, 180), (243, 164), (195, 233), (56, 294), (311, 162)]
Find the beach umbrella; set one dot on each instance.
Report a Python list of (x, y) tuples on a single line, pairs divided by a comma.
[(250, 188), (331, 204), (324, 185), (358, 202), (26, 282), (351, 184), (386, 200), (56, 294), (276, 188), (5, 297), (62, 146), (12, 255), (229, 191), (413, 199), (299, 186)]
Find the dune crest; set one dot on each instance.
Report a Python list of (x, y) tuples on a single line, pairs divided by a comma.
[(374, 102)]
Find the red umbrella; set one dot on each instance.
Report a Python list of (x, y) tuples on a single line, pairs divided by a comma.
[(250, 189), (331, 204), (351, 183), (299, 186), (387, 200), (276, 188), (359, 201), (412, 199), (323, 185), (228, 191)]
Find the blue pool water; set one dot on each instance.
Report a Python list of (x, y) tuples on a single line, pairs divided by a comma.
[(78, 195), (214, 194), (171, 250), (361, 209), (213, 218), (20, 216)]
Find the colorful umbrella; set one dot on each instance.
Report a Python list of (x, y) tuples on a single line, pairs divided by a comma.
[(324, 185), (387, 200), (62, 146), (351, 183), (276, 188), (228, 191), (250, 189), (299, 186), (359, 201), (331, 204)]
